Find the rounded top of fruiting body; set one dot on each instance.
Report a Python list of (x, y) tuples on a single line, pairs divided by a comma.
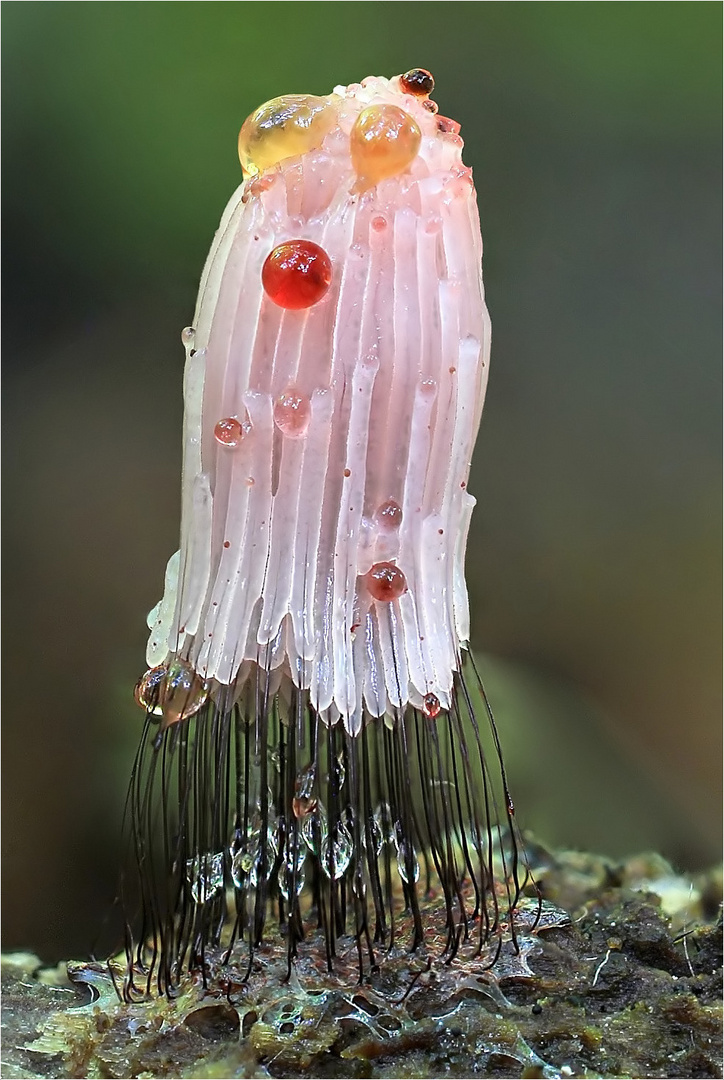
[(380, 127)]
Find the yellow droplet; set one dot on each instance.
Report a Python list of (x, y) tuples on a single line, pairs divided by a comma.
[(284, 127), (383, 142)]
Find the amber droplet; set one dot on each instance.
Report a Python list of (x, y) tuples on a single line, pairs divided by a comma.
[(431, 106), (383, 142), (284, 127), (184, 692), (417, 81), (389, 515), (229, 431), (386, 582), (292, 412), (431, 705), (174, 691), (147, 691), (296, 274)]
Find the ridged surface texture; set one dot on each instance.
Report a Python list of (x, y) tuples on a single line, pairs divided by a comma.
[(278, 533)]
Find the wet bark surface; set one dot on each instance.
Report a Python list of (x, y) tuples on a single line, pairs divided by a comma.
[(621, 977)]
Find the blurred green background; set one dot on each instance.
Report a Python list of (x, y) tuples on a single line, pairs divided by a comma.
[(594, 562)]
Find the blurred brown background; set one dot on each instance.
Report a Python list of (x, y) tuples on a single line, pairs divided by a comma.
[(594, 562)]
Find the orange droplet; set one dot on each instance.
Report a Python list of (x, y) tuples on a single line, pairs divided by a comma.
[(292, 412), (383, 142), (296, 274), (431, 705), (386, 582)]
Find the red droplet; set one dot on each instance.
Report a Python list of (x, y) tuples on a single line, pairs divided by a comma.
[(386, 582), (227, 543), (347, 472), (229, 431), (389, 515), (417, 81), (431, 106), (379, 223), (296, 274), (431, 705), (292, 413)]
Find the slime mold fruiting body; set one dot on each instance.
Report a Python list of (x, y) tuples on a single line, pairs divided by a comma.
[(306, 660)]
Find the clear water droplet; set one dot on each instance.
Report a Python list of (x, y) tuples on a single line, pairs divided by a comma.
[(342, 849), (341, 773), (333, 862), (402, 865), (287, 869), (292, 413), (406, 855), (383, 819), (246, 854), (205, 875), (314, 829), (285, 880), (376, 834)]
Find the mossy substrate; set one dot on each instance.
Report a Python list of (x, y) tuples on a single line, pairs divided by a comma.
[(620, 978)]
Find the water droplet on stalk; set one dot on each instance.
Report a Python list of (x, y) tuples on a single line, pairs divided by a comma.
[(205, 875), (292, 412)]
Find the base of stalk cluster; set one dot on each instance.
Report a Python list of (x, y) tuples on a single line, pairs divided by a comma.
[(257, 812)]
